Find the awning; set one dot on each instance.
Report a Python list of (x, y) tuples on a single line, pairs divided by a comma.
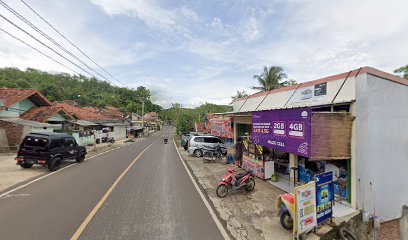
[(114, 124), (29, 123), (84, 123)]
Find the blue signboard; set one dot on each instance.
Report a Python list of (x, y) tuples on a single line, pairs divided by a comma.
[(324, 196)]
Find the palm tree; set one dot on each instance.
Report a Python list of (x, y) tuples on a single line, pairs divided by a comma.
[(271, 78), (240, 94)]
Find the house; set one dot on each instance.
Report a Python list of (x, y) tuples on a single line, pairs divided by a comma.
[(20, 110), (89, 120), (48, 114), (152, 117)]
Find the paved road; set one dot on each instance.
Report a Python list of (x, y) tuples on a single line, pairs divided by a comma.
[(154, 200)]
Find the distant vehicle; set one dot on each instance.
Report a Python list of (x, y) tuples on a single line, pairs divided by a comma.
[(49, 149), (197, 143), (186, 137)]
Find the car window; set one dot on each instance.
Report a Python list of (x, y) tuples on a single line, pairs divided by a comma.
[(208, 140), (199, 139), (57, 143), (217, 140), (69, 142), (35, 142)]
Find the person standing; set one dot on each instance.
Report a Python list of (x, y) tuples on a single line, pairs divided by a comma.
[(239, 151)]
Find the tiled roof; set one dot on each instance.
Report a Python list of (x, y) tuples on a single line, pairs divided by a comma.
[(109, 111), (83, 114), (42, 114), (11, 96)]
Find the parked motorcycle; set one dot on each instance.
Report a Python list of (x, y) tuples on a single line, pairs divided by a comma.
[(242, 180), (285, 204), (217, 153), (108, 139)]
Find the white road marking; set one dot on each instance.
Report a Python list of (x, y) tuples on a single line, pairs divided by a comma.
[(88, 219), (51, 173), (17, 195), (206, 203)]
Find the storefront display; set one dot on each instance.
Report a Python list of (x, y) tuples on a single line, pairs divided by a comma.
[(324, 196), (256, 160)]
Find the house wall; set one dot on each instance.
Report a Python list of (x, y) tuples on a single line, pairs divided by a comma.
[(17, 109), (381, 146), (15, 133), (119, 132), (57, 117)]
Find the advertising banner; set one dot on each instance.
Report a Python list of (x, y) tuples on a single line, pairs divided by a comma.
[(305, 200), (312, 94), (287, 130), (219, 126), (324, 196)]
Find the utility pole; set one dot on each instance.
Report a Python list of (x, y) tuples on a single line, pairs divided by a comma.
[(143, 113)]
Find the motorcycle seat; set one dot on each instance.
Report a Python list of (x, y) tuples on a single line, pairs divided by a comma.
[(240, 175)]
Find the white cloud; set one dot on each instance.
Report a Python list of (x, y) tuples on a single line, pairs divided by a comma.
[(251, 30)]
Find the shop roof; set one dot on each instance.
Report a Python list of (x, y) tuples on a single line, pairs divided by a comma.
[(340, 89), (11, 96), (29, 123), (353, 73)]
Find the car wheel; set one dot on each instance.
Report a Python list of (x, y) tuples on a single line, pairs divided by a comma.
[(26, 165), (80, 158), (186, 147), (198, 153), (54, 164)]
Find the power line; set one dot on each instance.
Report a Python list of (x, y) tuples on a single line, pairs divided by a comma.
[(10, 9), (63, 36), (45, 45), (28, 45)]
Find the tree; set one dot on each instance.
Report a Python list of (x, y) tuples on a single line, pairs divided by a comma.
[(63, 86), (403, 71), (185, 122), (272, 78), (239, 95)]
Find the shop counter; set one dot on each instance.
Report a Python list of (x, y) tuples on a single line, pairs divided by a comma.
[(261, 169)]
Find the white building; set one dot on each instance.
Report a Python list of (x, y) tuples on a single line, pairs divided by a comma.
[(379, 136)]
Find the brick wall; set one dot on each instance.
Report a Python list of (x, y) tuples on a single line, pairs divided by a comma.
[(389, 230), (14, 132)]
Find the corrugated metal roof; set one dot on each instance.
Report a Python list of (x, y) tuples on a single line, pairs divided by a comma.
[(29, 123), (84, 123)]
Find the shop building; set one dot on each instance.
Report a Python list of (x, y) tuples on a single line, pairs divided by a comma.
[(352, 123)]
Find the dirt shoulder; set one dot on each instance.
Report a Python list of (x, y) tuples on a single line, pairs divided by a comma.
[(248, 215)]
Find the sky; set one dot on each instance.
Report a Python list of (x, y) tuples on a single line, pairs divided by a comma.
[(192, 52)]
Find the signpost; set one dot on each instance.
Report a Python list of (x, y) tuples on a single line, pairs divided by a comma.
[(324, 196), (305, 209), (287, 130)]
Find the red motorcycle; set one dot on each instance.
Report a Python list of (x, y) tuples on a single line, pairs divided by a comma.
[(243, 180)]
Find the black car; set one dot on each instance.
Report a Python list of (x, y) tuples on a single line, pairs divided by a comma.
[(49, 149)]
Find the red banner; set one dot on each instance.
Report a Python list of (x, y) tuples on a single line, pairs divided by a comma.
[(219, 126)]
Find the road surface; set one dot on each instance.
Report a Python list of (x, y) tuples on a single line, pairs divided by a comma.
[(154, 199)]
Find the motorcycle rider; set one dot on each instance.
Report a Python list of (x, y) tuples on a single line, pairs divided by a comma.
[(165, 137)]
